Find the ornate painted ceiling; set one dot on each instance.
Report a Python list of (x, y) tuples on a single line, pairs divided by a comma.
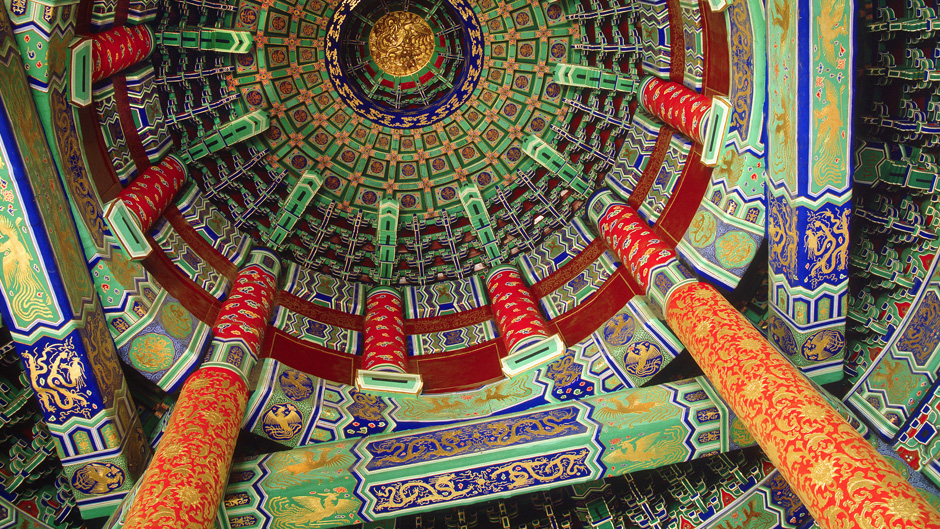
[(461, 119)]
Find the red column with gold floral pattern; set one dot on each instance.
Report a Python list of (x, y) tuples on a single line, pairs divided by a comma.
[(385, 348), (837, 474), (148, 196), (184, 482), (517, 315), (679, 107), (119, 48)]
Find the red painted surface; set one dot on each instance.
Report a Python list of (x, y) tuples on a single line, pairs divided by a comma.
[(385, 347), (119, 48), (679, 107), (153, 191), (518, 317), (184, 482), (247, 309), (638, 248)]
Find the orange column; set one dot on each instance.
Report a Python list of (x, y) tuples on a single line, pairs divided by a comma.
[(837, 474), (184, 482)]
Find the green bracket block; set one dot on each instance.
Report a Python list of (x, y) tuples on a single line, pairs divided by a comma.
[(549, 158), (480, 220), (225, 41), (80, 73), (535, 355), (170, 38), (388, 383), (715, 131), (127, 229), (293, 208), (237, 130), (587, 77), (387, 238), (600, 516)]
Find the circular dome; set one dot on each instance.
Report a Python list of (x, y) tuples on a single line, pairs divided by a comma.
[(333, 77), (405, 63), (401, 43)]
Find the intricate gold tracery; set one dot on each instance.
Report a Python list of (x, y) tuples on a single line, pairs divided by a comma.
[(401, 43)]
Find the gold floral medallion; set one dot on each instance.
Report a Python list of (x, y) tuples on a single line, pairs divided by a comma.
[(401, 43)]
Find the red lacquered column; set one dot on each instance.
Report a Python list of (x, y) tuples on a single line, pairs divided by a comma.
[(184, 482), (148, 196), (517, 315), (679, 107), (837, 474), (119, 48), (385, 348)]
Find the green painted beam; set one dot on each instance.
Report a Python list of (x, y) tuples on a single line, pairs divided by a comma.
[(236, 130), (480, 220), (389, 475), (549, 158), (293, 208), (387, 238)]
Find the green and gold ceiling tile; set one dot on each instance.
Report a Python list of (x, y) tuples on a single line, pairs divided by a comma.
[(299, 116), (469, 153), (407, 170), (523, 18), (454, 131), (523, 83), (332, 183), (472, 117), (431, 140), (488, 97), (558, 50), (512, 155), (438, 164), (493, 134), (495, 76), (407, 143), (446, 194), (277, 56), (539, 122), (383, 141), (495, 24), (339, 118), (247, 17), (253, 95), (376, 167), (510, 109), (369, 197), (323, 101), (285, 88), (321, 140), (411, 201), (484, 178), (347, 157), (554, 13), (552, 91)]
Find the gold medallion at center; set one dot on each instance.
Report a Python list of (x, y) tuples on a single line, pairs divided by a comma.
[(401, 43)]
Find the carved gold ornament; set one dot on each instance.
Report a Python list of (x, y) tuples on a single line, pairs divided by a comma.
[(401, 43)]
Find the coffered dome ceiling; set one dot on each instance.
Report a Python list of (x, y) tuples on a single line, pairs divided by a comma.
[(362, 95)]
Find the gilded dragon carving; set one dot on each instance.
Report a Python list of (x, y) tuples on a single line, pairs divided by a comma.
[(57, 375)]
